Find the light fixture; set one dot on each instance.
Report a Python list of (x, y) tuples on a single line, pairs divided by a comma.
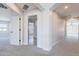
[(66, 7)]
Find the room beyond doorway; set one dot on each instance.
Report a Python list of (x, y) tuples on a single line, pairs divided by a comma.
[(72, 30), (32, 30)]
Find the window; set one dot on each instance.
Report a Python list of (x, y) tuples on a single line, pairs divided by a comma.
[(3, 27), (72, 28)]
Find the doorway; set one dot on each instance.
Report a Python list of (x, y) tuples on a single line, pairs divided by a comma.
[(72, 30), (32, 30)]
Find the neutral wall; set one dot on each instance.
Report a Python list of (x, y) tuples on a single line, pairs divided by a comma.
[(46, 30), (42, 28), (58, 28), (49, 28), (4, 35), (8, 16), (4, 18), (14, 30), (34, 12)]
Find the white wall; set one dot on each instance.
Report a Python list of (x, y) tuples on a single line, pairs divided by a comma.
[(10, 17), (4, 18), (46, 33), (43, 28), (58, 28), (48, 28), (34, 12), (4, 35), (14, 30)]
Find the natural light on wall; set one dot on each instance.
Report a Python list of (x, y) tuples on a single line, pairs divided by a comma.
[(4, 18), (72, 29), (3, 27)]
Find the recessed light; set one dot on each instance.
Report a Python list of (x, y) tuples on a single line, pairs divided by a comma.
[(66, 7)]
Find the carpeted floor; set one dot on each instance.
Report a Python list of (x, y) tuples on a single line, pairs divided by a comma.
[(21, 51), (66, 48), (63, 48)]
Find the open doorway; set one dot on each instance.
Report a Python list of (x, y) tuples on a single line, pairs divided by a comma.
[(72, 31), (32, 30)]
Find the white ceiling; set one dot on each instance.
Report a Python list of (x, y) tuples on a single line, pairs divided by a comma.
[(47, 6), (18, 7), (6, 14), (73, 9), (7, 11), (32, 6)]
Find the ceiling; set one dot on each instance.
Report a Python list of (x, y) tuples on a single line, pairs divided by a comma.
[(9, 10), (72, 10), (29, 6), (20, 8), (6, 13), (4, 10)]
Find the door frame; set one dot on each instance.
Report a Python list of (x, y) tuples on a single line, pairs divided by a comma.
[(66, 29), (28, 26)]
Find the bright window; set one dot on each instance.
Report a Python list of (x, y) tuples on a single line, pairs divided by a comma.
[(72, 28), (3, 27)]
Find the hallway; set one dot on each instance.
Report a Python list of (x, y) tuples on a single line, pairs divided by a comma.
[(33, 31)]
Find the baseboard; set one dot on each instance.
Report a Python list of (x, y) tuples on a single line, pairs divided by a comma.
[(15, 44), (25, 44), (46, 49), (54, 44)]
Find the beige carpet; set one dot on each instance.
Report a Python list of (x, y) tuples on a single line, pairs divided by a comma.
[(63, 48), (66, 48), (21, 51)]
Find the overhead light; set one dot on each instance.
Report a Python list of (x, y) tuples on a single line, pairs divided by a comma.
[(66, 7)]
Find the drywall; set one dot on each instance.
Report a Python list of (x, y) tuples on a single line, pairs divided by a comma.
[(4, 35), (58, 30), (5, 14), (4, 19), (43, 29), (34, 12), (46, 33), (14, 30), (11, 18), (49, 28)]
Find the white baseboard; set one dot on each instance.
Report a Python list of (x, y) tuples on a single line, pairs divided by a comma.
[(54, 44), (14, 44), (48, 49), (38, 46), (25, 43)]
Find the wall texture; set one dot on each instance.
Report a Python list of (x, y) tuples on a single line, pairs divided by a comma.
[(14, 30), (58, 27)]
